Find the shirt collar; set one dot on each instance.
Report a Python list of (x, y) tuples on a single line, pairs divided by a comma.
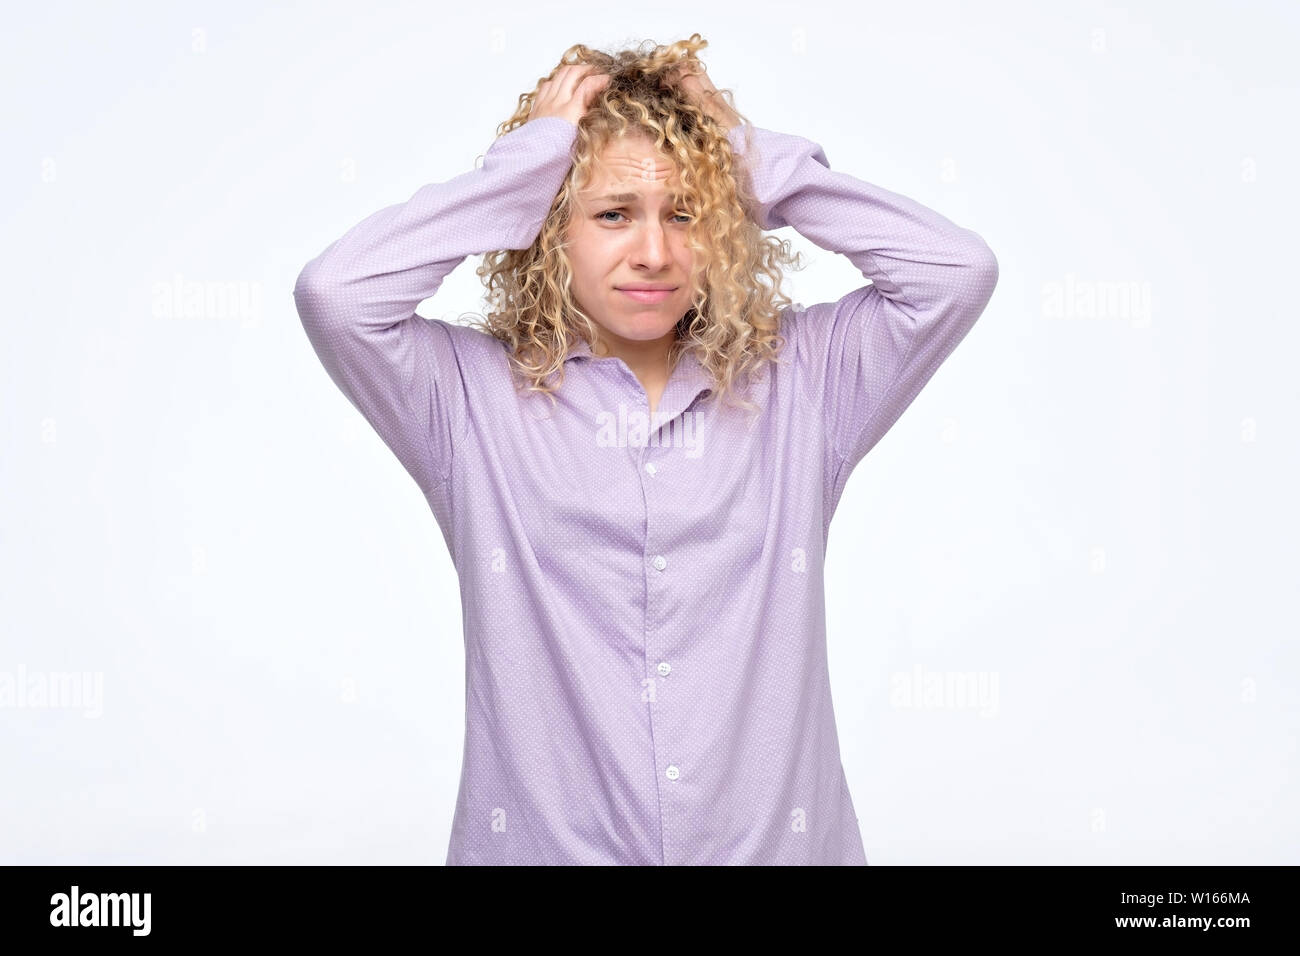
[(688, 381), (580, 350)]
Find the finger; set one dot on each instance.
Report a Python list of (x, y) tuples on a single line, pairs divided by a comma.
[(689, 78), (556, 83), (592, 83), (574, 75), (566, 78)]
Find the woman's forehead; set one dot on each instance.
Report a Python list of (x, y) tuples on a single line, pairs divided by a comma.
[(631, 162)]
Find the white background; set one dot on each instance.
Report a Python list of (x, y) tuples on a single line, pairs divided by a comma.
[(1093, 508)]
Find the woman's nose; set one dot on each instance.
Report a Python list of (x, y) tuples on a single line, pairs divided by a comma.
[(652, 247)]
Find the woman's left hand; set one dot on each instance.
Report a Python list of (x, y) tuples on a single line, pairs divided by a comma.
[(700, 91)]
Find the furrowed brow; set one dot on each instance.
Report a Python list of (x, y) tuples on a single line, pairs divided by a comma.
[(633, 197)]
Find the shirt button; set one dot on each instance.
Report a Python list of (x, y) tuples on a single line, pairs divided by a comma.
[(650, 467), (664, 668), (660, 562), (672, 773)]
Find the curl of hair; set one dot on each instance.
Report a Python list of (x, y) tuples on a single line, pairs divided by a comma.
[(734, 320)]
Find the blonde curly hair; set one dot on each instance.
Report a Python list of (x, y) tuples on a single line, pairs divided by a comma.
[(733, 323)]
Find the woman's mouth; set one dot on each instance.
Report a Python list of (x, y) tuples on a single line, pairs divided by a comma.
[(648, 295)]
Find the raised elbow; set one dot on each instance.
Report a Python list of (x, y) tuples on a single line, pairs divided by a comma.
[(312, 294), (980, 274)]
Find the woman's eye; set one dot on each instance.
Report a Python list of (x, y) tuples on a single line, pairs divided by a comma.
[(615, 212)]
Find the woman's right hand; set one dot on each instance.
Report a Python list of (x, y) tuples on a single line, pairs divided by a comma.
[(567, 94)]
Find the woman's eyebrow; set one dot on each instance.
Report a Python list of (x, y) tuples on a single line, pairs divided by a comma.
[(633, 197)]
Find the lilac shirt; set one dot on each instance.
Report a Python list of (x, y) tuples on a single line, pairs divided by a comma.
[(644, 617)]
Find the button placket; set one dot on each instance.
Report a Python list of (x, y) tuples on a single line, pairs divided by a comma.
[(662, 706)]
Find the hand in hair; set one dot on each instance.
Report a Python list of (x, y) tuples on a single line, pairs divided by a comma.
[(568, 92), (699, 90)]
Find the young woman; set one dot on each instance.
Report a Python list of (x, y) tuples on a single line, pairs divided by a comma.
[(635, 458)]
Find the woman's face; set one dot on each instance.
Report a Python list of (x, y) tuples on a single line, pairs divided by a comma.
[(628, 232)]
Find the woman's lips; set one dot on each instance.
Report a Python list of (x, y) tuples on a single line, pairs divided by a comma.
[(648, 295)]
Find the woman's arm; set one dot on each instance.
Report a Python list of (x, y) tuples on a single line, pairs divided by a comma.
[(357, 299), (864, 358)]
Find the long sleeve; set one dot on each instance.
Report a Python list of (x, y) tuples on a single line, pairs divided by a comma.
[(865, 357), (357, 299)]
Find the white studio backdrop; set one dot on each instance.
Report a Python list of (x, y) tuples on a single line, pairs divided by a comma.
[(1060, 591)]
